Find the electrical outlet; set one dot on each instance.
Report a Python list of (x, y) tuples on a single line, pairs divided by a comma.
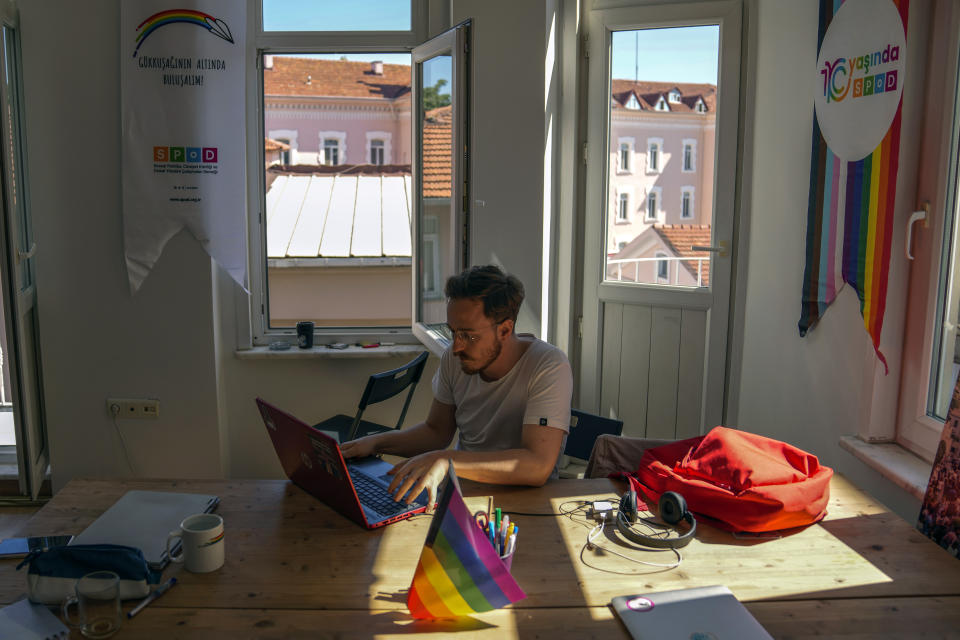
[(138, 408)]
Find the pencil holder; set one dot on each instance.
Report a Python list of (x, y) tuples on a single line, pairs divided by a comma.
[(507, 560)]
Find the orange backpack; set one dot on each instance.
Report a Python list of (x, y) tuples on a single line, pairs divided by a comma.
[(738, 481)]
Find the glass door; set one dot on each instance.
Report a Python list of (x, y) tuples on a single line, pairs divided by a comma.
[(661, 170)]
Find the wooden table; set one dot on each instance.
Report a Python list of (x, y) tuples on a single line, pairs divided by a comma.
[(296, 569)]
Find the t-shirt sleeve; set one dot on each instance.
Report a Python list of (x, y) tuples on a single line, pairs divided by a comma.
[(442, 381), (551, 390)]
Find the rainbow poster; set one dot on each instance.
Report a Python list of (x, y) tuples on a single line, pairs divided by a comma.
[(182, 92), (459, 572), (856, 148)]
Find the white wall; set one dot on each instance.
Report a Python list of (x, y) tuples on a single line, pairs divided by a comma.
[(509, 44), (810, 391), (175, 338)]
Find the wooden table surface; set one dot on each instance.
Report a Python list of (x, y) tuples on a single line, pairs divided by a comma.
[(294, 568)]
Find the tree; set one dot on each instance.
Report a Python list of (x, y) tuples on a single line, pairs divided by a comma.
[(432, 98)]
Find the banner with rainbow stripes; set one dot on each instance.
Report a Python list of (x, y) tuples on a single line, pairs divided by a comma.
[(850, 211), (459, 572)]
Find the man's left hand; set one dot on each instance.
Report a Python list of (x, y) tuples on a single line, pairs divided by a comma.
[(423, 472)]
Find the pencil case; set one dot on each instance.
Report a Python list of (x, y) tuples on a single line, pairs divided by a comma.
[(52, 574)]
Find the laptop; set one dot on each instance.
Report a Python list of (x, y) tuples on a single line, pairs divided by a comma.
[(703, 612), (356, 488)]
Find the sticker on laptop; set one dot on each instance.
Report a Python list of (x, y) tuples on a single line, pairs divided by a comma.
[(327, 456), (640, 604), (543, 422)]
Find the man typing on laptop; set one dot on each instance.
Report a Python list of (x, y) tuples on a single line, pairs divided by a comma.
[(508, 394)]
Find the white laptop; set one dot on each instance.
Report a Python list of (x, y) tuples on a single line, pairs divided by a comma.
[(705, 612)]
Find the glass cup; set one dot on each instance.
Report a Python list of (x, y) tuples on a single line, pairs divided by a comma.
[(98, 603)]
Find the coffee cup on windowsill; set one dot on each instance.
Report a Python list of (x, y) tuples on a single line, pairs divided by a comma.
[(305, 334)]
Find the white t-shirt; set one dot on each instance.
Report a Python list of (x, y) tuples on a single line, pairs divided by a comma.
[(490, 415)]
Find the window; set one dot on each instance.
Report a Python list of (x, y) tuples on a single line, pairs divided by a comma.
[(701, 107), (432, 286), (625, 157), (662, 105), (289, 137), (686, 203), (622, 245), (675, 96), (331, 151), (376, 152), (324, 231), (632, 103), (689, 156), (379, 147), (663, 267), (653, 204), (284, 153), (654, 147), (623, 208)]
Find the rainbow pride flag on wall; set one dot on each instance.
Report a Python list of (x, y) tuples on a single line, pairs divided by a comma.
[(459, 572), (850, 214)]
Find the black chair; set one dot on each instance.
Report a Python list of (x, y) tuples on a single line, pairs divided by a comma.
[(585, 428), (380, 386)]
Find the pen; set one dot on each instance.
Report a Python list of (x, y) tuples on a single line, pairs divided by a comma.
[(491, 535), (498, 515), (162, 589), (489, 508)]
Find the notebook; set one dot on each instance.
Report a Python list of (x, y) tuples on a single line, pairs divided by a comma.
[(143, 519), (703, 612), (312, 460), (27, 621)]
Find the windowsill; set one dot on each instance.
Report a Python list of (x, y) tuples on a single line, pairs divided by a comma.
[(265, 353), (903, 468)]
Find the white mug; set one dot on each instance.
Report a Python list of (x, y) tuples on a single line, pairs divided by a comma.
[(201, 543)]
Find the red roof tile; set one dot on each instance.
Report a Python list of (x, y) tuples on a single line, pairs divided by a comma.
[(680, 238), (437, 153), (290, 76), (649, 93)]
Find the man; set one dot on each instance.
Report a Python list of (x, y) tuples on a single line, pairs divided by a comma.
[(508, 394)]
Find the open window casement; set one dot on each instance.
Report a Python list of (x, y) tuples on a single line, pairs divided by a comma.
[(440, 191)]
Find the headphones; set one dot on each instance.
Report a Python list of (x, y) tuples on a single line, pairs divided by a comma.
[(673, 509)]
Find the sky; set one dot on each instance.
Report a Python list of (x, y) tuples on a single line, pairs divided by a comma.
[(674, 54), (336, 15)]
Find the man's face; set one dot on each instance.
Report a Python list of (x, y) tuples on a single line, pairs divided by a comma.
[(477, 340)]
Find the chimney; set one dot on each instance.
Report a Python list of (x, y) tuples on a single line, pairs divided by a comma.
[(376, 67), (268, 61)]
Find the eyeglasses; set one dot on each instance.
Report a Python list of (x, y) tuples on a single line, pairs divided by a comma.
[(466, 336)]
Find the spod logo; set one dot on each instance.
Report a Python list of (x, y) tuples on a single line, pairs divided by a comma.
[(190, 155), (851, 125)]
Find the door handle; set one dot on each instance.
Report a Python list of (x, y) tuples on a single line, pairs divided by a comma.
[(720, 249), (923, 214), (26, 255)]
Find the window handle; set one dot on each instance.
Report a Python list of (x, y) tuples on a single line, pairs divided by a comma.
[(720, 249), (26, 255), (923, 214)]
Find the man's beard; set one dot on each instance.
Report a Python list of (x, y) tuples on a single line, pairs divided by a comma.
[(487, 359)]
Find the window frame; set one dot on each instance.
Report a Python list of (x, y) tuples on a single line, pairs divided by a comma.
[(386, 138), (629, 142), (341, 139), (251, 306), (623, 207), (685, 191), (658, 143), (662, 265), (692, 144), (657, 194)]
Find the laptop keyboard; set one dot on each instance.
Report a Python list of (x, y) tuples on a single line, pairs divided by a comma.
[(375, 496)]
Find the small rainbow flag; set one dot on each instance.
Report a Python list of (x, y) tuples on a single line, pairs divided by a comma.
[(850, 219), (459, 572)]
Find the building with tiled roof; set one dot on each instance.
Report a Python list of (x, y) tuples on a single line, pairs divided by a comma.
[(338, 112), (662, 139), (664, 254)]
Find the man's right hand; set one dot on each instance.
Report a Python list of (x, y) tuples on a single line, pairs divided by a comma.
[(360, 448)]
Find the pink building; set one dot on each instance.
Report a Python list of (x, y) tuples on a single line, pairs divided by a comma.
[(338, 112), (662, 138)]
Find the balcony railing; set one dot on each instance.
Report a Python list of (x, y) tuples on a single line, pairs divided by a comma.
[(619, 263)]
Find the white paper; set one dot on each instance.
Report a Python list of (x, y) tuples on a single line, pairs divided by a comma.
[(182, 147)]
